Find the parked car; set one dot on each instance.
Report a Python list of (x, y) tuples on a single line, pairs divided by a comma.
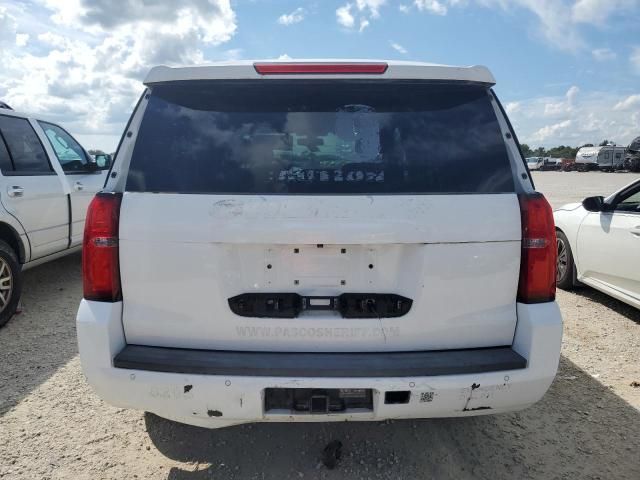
[(599, 244), (632, 156), (535, 163), (550, 163), (48, 180), (606, 158), (543, 163), (289, 242)]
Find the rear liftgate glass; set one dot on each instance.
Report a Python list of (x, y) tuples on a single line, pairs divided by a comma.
[(319, 137)]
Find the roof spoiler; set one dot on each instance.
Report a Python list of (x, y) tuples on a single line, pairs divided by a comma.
[(392, 70)]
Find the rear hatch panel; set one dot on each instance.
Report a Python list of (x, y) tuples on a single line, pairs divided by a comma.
[(459, 265), (319, 188)]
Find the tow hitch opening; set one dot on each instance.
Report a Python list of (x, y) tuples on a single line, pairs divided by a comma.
[(317, 401)]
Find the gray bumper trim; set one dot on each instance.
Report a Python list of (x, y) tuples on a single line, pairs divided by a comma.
[(291, 364)]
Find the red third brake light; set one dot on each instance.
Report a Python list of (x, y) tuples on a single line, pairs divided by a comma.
[(100, 256), (538, 257), (293, 68)]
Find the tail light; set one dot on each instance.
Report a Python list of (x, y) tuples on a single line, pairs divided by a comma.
[(539, 250), (293, 68), (100, 256)]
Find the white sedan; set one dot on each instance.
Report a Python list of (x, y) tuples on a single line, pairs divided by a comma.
[(599, 244)]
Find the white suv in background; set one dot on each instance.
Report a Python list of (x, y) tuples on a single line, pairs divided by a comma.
[(46, 183), (319, 241)]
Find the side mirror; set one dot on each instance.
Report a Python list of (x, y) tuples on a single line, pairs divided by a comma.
[(103, 162), (594, 204), (92, 165)]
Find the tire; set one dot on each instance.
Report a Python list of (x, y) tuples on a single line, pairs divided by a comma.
[(566, 267), (10, 282)]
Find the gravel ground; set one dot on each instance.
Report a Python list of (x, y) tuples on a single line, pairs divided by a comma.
[(587, 426), (567, 187)]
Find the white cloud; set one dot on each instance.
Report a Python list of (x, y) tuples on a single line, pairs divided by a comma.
[(373, 6), (584, 117), (290, 18), (7, 26), (512, 107), (557, 22), (432, 6), (632, 101), (344, 16), (399, 48), (603, 54), (634, 59), (597, 11), (548, 131), (571, 94), (90, 78), (553, 20), (22, 39), (565, 106), (365, 10)]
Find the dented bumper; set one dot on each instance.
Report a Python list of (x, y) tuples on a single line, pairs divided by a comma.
[(228, 398)]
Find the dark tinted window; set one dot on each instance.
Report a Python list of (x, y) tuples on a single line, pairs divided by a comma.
[(5, 160), (26, 150), (326, 137), (630, 202)]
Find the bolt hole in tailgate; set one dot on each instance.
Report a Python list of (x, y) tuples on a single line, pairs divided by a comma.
[(386, 190)]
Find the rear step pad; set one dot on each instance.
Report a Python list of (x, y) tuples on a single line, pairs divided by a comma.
[(292, 364)]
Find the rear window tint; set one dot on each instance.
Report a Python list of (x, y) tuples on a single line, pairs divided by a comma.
[(319, 137)]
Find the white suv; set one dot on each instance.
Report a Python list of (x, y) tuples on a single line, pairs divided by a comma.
[(47, 181), (319, 241)]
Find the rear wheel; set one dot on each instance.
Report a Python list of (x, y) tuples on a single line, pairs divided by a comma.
[(10, 282), (566, 269)]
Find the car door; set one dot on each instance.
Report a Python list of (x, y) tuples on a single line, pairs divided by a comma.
[(31, 189), (84, 175), (608, 246)]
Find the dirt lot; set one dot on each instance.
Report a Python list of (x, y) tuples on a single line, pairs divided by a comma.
[(566, 187), (587, 426)]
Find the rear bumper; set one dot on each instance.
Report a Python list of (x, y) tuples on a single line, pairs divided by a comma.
[(227, 388), (326, 365)]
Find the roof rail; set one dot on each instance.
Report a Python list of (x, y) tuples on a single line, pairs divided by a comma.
[(4, 105)]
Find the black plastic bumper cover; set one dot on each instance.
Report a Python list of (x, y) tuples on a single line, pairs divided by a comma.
[(291, 364)]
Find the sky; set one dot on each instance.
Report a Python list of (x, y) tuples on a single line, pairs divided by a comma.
[(567, 71)]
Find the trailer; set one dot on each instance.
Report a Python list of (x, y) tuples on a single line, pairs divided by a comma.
[(607, 158)]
